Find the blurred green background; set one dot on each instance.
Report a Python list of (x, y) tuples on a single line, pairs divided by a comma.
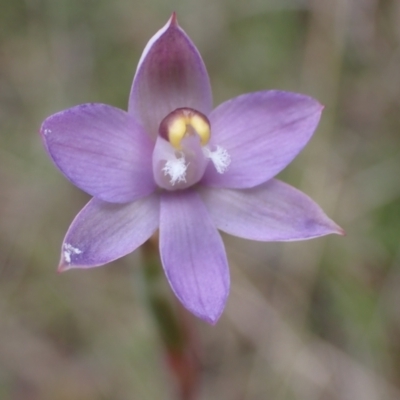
[(308, 320)]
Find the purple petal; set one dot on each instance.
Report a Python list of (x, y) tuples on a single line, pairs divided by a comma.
[(170, 75), (103, 232), (262, 132), (273, 211), (102, 150), (193, 254)]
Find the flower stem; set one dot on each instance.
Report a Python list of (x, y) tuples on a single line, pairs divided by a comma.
[(173, 324)]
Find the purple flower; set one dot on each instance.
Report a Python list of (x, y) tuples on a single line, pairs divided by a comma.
[(173, 163)]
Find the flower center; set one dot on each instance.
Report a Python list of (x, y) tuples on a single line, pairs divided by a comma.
[(185, 122), (183, 150)]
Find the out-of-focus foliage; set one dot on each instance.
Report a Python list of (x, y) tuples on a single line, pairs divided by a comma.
[(309, 320)]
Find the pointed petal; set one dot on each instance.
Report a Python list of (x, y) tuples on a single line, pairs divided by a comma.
[(273, 211), (193, 255), (102, 150), (103, 232), (170, 74), (262, 132)]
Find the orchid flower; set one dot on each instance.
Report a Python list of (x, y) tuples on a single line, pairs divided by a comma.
[(172, 163)]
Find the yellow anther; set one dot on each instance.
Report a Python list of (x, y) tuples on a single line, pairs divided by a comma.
[(176, 131), (202, 128), (182, 122)]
